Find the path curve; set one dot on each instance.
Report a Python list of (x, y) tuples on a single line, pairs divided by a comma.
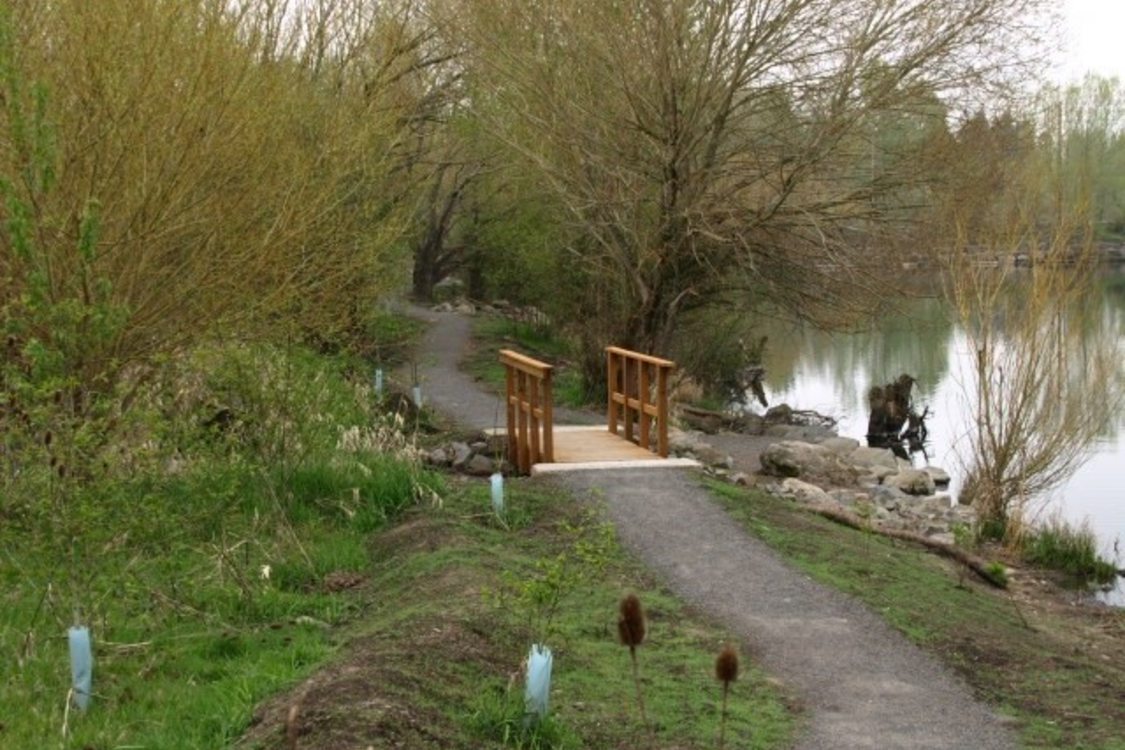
[(865, 687), (453, 393)]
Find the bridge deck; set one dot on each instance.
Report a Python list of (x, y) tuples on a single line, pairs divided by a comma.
[(583, 447)]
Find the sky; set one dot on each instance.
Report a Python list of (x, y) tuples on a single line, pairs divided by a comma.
[(1093, 39)]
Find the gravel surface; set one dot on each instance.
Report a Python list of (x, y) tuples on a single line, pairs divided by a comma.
[(457, 395), (863, 685)]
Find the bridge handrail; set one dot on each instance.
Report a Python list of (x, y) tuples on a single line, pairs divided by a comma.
[(632, 377), (529, 402)]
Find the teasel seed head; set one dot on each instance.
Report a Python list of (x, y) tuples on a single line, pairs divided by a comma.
[(726, 665), (631, 624), (47, 438)]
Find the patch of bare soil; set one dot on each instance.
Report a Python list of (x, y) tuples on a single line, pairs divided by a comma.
[(370, 697), (387, 690)]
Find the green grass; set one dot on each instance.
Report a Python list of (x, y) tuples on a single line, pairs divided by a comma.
[(208, 587), (218, 565), (1060, 674), (189, 632), (1072, 550), (491, 334), (436, 661)]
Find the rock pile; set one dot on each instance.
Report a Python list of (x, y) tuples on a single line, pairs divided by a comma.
[(888, 490), (479, 458), (529, 314), (811, 464)]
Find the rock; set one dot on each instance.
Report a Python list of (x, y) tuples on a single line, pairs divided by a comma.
[(706, 423), (779, 413), (805, 433), (465, 308), (848, 498), (815, 433), (805, 493), (889, 498), (438, 457), (936, 506), (479, 466), (795, 459), (459, 453), (712, 457), (867, 457), (750, 424), (912, 482), (478, 446), (881, 472), (963, 514), (939, 475), (944, 537), (740, 478), (680, 441), (867, 481), (841, 446), (443, 307)]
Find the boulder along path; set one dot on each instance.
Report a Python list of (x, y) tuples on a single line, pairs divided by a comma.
[(863, 685)]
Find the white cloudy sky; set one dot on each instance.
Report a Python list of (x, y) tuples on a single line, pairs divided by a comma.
[(1094, 38)]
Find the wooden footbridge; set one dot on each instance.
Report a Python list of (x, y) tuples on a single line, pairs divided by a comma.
[(636, 430)]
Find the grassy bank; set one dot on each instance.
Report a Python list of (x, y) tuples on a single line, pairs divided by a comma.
[(256, 523), (1058, 670), (207, 538), (457, 597)]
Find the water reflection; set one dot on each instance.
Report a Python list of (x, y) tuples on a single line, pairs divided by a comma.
[(832, 373)]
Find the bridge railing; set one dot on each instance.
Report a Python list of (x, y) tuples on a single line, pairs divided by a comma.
[(529, 401), (638, 397)]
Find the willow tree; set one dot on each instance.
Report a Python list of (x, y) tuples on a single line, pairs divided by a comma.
[(721, 151), (1047, 380), (170, 169)]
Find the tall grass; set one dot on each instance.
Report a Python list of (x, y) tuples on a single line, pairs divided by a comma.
[(1072, 549), (200, 552)]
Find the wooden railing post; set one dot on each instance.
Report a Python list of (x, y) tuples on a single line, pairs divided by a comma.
[(631, 378), (611, 380), (528, 396)]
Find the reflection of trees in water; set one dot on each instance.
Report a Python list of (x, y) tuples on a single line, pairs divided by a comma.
[(916, 340)]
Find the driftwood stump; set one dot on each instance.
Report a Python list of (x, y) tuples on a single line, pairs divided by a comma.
[(892, 417), (889, 407)]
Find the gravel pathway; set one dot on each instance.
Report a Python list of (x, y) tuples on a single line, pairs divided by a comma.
[(863, 684), (457, 395)]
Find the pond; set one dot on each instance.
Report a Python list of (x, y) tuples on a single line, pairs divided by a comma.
[(832, 373)]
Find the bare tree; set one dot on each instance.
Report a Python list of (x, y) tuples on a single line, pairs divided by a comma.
[(1048, 377), (722, 149)]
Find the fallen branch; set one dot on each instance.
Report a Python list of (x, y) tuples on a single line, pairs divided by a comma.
[(972, 562)]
